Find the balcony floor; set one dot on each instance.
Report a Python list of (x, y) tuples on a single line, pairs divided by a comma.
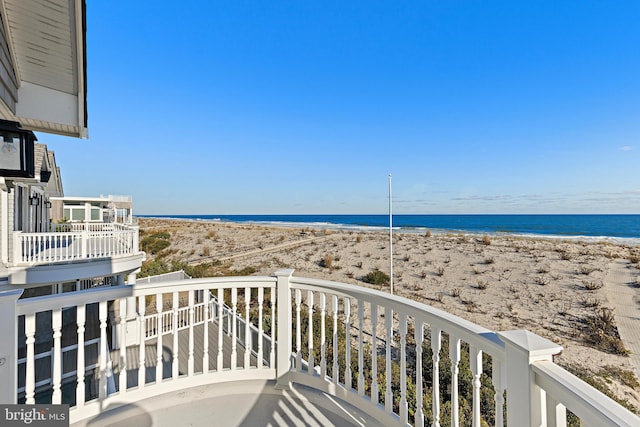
[(245, 403)]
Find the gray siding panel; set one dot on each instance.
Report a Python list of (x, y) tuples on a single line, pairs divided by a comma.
[(8, 80)]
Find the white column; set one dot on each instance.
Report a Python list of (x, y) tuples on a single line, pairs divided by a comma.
[(284, 313), (8, 346), (132, 336), (4, 226), (525, 403)]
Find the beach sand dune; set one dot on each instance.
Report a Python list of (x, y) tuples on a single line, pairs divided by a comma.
[(559, 289)]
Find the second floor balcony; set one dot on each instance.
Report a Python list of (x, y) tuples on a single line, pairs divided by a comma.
[(73, 242), (110, 247)]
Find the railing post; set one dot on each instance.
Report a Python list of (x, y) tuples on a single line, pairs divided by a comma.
[(526, 404), (17, 247), (84, 243), (136, 239), (283, 319), (8, 346)]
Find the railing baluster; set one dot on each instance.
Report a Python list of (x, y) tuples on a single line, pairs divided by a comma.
[(556, 413), (220, 331), (375, 398), (419, 338), (142, 368), (159, 369), (234, 332), (454, 355), (334, 307), (476, 371), (311, 362), (323, 338), (436, 337), (499, 384), (190, 362), (80, 364), (272, 353), (347, 333), (205, 338), (102, 312), (260, 326), (298, 296), (404, 406), (123, 345), (30, 377), (360, 348), (247, 328), (175, 362), (388, 398), (56, 356)]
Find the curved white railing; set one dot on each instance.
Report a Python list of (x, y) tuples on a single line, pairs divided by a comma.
[(75, 241), (405, 362)]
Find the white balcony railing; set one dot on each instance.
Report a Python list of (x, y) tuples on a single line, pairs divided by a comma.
[(73, 242), (399, 360)]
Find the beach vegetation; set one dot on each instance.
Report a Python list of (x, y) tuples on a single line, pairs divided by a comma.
[(590, 303), (246, 271), (327, 261), (455, 292), (489, 260), (154, 243), (482, 285), (542, 280), (440, 270), (376, 277), (565, 255), (543, 269), (213, 234), (469, 304), (486, 240), (427, 233), (591, 285), (600, 331), (586, 270)]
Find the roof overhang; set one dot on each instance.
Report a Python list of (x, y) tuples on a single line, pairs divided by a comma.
[(43, 65)]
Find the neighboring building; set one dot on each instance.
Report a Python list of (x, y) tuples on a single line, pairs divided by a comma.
[(43, 88), (92, 209)]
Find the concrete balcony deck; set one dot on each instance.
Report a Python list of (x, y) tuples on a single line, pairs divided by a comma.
[(243, 403)]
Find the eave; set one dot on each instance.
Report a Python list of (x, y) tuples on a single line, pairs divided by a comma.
[(43, 68)]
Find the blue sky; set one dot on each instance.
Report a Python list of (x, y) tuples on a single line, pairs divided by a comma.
[(257, 107)]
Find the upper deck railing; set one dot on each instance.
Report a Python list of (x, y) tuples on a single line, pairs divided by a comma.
[(402, 361), (73, 242)]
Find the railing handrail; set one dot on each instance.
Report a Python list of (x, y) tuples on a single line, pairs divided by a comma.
[(30, 306), (237, 282), (584, 401)]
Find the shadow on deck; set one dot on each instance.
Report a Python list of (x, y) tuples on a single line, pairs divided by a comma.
[(242, 403)]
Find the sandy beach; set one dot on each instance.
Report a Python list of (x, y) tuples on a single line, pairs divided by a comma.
[(552, 287)]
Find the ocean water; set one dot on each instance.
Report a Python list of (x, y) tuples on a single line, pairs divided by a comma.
[(608, 227)]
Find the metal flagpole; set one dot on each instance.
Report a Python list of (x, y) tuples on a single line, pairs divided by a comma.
[(390, 238)]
